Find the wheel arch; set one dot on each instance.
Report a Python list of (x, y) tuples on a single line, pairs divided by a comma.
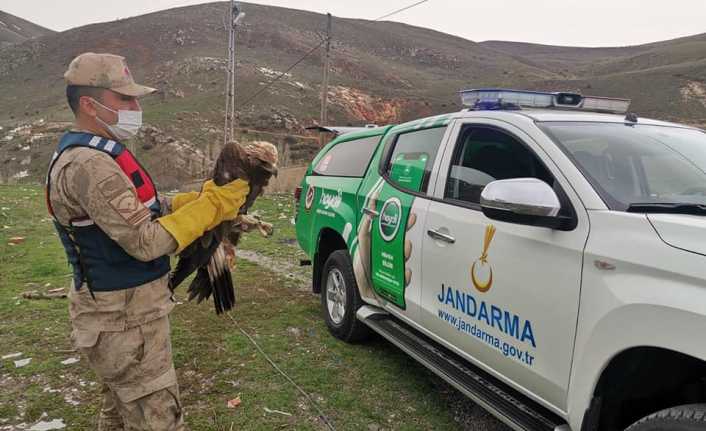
[(328, 241), (670, 336), (642, 380)]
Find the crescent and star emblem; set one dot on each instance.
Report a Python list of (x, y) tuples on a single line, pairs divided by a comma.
[(482, 262)]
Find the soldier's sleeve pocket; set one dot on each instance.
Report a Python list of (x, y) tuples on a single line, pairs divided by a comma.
[(84, 339)]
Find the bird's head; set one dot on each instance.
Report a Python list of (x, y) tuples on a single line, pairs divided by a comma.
[(263, 156), (254, 161)]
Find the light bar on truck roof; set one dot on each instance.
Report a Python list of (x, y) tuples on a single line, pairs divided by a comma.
[(504, 99)]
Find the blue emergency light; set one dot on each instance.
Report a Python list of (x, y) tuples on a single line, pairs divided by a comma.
[(485, 99)]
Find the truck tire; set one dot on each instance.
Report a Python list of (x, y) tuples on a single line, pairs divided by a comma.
[(340, 299), (690, 417)]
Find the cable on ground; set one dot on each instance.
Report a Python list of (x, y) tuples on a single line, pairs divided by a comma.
[(313, 402)]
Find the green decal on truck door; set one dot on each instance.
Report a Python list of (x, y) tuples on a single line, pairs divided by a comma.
[(387, 258), (389, 275), (382, 247)]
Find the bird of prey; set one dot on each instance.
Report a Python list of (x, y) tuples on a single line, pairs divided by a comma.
[(255, 162)]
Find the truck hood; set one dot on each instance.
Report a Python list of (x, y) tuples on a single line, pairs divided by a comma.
[(685, 232)]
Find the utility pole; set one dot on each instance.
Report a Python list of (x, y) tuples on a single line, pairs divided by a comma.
[(234, 16), (324, 85)]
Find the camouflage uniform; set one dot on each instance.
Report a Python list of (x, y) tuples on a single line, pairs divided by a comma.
[(124, 334)]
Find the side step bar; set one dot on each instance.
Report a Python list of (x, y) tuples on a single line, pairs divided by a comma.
[(514, 409)]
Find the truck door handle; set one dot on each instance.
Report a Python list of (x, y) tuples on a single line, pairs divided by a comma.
[(441, 236), (370, 212)]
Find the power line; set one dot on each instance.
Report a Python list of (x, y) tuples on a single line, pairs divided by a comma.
[(311, 51), (400, 10), (281, 75)]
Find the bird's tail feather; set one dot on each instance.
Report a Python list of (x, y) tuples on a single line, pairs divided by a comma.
[(215, 279)]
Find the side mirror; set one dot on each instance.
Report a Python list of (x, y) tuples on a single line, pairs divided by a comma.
[(527, 201)]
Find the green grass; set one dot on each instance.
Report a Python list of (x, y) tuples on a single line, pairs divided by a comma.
[(278, 210), (355, 385)]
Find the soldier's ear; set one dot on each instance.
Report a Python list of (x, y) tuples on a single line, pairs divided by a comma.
[(87, 106)]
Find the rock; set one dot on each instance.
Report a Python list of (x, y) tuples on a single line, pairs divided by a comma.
[(70, 361), (180, 37), (22, 362), (54, 424), (70, 400), (21, 174)]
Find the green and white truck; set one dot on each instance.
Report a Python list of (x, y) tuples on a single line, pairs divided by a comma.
[(545, 253)]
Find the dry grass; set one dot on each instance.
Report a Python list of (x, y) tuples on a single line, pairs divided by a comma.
[(287, 180)]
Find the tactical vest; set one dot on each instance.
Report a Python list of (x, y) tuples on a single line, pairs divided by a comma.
[(93, 255)]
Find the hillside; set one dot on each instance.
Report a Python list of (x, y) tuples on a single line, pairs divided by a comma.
[(565, 59), (674, 71), (15, 30), (179, 50), (583, 62), (382, 72)]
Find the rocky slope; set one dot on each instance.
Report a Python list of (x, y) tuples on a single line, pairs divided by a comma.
[(382, 72), (15, 30)]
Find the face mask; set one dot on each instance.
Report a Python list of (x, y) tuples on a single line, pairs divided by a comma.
[(129, 123)]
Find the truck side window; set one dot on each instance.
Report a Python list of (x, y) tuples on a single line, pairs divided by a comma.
[(348, 159), (483, 155), (412, 158)]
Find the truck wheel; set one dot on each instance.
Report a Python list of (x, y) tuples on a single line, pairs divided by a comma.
[(340, 299), (690, 417)]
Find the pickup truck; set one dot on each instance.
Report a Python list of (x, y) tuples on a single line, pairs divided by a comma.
[(544, 253)]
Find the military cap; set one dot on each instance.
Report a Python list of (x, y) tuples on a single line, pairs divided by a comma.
[(104, 71)]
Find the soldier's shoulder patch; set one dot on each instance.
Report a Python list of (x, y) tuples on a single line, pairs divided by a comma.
[(129, 207), (112, 186)]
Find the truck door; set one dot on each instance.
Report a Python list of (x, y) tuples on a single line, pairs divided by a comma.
[(393, 210), (504, 295)]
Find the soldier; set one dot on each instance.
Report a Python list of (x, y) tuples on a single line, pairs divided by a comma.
[(117, 234)]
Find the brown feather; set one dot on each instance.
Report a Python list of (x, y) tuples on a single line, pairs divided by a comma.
[(256, 163)]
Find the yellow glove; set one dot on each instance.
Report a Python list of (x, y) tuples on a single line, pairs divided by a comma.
[(235, 192), (214, 205), (181, 199)]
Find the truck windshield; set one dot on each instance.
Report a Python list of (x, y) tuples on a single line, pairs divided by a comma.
[(637, 166)]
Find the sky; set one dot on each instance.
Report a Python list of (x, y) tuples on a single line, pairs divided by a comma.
[(553, 22)]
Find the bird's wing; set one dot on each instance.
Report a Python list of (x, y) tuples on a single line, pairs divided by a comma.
[(196, 255), (207, 255)]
